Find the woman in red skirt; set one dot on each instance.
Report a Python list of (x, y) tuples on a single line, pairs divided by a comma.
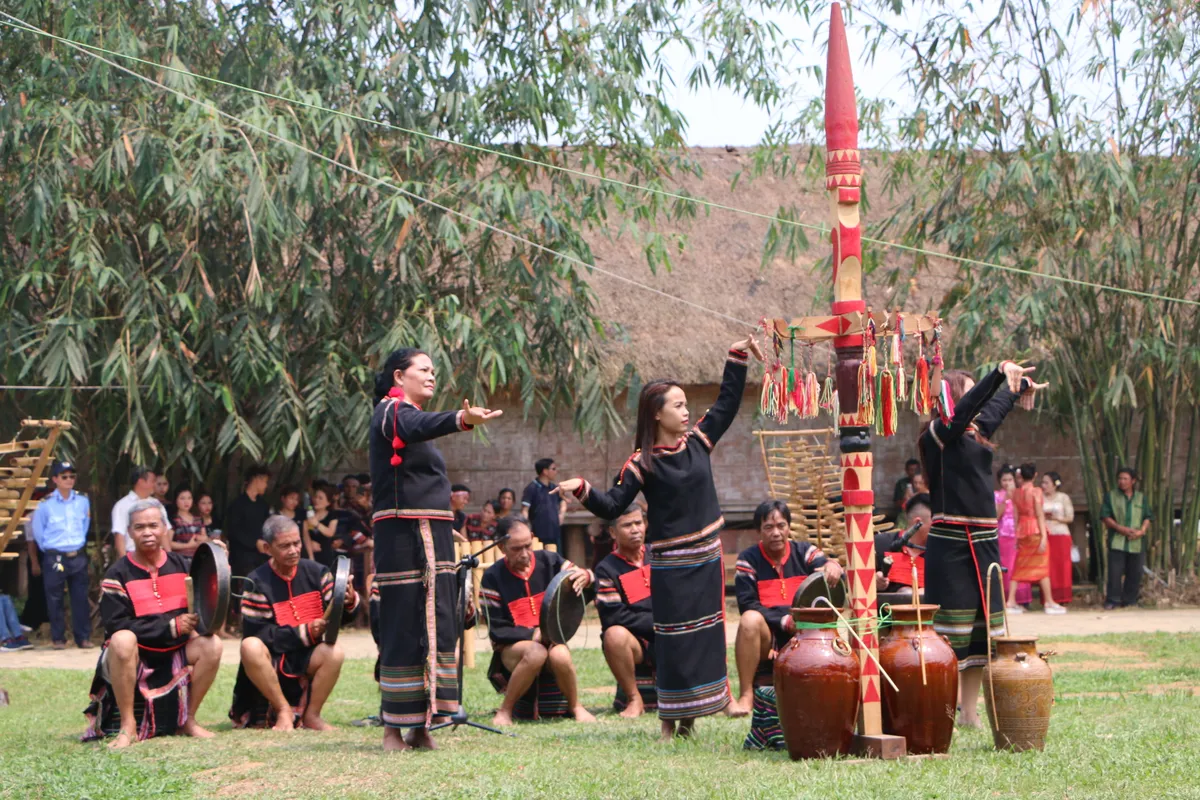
[(1032, 564), (1056, 504)]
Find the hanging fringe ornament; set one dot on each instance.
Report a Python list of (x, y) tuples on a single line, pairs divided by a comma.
[(945, 403), (814, 395), (921, 399), (887, 408), (827, 395), (765, 405), (935, 378), (898, 360), (866, 395)]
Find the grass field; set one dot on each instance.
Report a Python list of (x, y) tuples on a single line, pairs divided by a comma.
[(1125, 725)]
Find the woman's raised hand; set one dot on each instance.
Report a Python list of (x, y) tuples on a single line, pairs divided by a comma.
[(567, 487), (1014, 372), (474, 415), (748, 345)]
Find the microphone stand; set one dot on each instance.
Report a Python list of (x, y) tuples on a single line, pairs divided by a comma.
[(468, 562)]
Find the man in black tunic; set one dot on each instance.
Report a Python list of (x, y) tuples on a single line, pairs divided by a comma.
[(626, 615), (154, 670), (511, 592), (244, 522), (768, 576), (287, 671)]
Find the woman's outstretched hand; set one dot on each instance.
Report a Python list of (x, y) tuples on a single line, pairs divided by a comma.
[(474, 415), (567, 487), (748, 345)]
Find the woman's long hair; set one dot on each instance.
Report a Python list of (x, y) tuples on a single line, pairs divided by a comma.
[(957, 379), (650, 402), (401, 360)]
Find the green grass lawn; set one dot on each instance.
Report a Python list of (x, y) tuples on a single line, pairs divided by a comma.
[(1125, 725)]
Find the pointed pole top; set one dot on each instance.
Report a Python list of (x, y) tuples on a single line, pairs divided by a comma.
[(841, 112)]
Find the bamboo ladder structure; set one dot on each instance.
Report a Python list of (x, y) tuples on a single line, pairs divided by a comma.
[(23, 464), (802, 471)]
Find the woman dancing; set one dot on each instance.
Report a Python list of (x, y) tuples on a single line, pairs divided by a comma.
[(957, 458), (672, 468), (414, 548)]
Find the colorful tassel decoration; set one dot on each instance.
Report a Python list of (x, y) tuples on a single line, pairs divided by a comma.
[(887, 409), (945, 403), (921, 397), (814, 395), (827, 395), (866, 395), (765, 405)]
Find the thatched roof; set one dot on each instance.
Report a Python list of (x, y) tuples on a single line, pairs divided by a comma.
[(721, 268)]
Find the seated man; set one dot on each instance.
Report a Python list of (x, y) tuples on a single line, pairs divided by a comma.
[(894, 561), (287, 673), (768, 575), (154, 669), (626, 620), (535, 680)]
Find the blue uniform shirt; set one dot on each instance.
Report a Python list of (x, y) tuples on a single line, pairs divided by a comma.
[(59, 524)]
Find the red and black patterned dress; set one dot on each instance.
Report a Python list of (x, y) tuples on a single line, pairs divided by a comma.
[(145, 602), (684, 523), (278, 611), (623, 597)]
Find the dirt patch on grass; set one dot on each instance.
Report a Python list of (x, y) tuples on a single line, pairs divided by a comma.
[(1098, 649), (1178, 687)]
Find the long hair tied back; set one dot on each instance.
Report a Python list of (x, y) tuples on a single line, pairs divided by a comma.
[(650, 402), (401, 360)]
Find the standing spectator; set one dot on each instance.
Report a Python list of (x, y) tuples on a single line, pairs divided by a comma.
[(460, 498), (35, 613), (162, 489), (545, 511), (904, 487), (204, 508), (244, 522), (60, 526), (1032, 564), (290, 505), (1127, 515), (12, 635), (506, 500), (481, 527), (320, 527), (1060, 513), (1006, 528), (188, 531), (144, 481), (349, 488)]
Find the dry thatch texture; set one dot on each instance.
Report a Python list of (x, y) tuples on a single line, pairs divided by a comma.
[(721, 268)]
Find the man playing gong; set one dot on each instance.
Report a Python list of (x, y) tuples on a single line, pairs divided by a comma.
[(768, 575), (287, 671), (626, 615), (152, 652), (537, 678)]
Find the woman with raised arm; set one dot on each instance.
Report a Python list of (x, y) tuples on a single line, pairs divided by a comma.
[(957, 458), (672, 467), (414, 548)]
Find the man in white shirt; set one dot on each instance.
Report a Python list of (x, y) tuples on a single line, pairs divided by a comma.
[(143, 486)]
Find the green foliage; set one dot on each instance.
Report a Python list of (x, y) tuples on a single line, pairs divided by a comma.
[(233, 293)]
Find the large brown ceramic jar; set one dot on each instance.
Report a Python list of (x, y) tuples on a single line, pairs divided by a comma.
[(1024, 693), (816, 688), (922, 711)]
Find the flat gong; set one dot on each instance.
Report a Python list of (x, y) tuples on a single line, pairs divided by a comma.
[(337, 603), (815, 586), (211, 579), (562, 610)]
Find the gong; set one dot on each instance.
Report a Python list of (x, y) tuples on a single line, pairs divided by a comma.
[(337, 603), (815, 586), (562, 610), (211, 579)]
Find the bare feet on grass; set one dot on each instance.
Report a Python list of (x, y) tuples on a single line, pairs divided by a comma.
[(420, 739), (634, 709), (393, 741), (313, 722), (582, 714), (124, 739), (284, 721), (502, 719), (193, 729), (739, 707)]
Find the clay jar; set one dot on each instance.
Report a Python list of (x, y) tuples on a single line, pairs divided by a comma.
[(922, 712), (816, 688), (1023, 687)]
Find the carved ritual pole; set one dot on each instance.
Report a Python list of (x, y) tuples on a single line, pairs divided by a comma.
[(843, 181)]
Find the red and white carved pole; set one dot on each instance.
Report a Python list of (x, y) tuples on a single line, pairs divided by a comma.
[(843, 181)]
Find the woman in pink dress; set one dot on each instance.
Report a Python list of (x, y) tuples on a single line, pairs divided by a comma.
[(1006, 528)]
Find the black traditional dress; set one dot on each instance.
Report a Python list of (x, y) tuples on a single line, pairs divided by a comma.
[(768, 587), (514, 611), (962, 541), (278, 611), (683, 534), (623, 598), (146, 603), (414, 563)]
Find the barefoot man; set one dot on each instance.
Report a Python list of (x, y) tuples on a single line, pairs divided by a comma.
[(768, 575), (287, 672), (536, 681), (626, 618), (151, 642)]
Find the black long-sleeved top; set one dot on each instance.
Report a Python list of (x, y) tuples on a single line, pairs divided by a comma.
[(145, 602), (680, 493), (418, 488), (959, 467), (514, 602), (243, 528), (767, 587), (623, 596), (279, 610)]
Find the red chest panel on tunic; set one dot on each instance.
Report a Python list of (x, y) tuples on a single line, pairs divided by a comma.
[(302, 608), (775, 592), (527, 611), (157, 597), (637, 584), (901, 571)]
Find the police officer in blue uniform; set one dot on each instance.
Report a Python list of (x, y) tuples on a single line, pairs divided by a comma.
[(60, 527)]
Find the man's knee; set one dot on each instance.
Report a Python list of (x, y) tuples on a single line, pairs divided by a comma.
[(559, 656), (535, 654), (254, 649), (616, 638), (332, 654), (753, 622), (123, 644)]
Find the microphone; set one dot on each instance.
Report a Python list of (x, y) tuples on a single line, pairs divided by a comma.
[(906, 537)]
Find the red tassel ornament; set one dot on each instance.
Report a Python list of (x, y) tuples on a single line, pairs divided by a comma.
[(396, 460)]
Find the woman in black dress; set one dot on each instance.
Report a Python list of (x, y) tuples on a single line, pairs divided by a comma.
[(957, 458), (672, 467), (414, 549)]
